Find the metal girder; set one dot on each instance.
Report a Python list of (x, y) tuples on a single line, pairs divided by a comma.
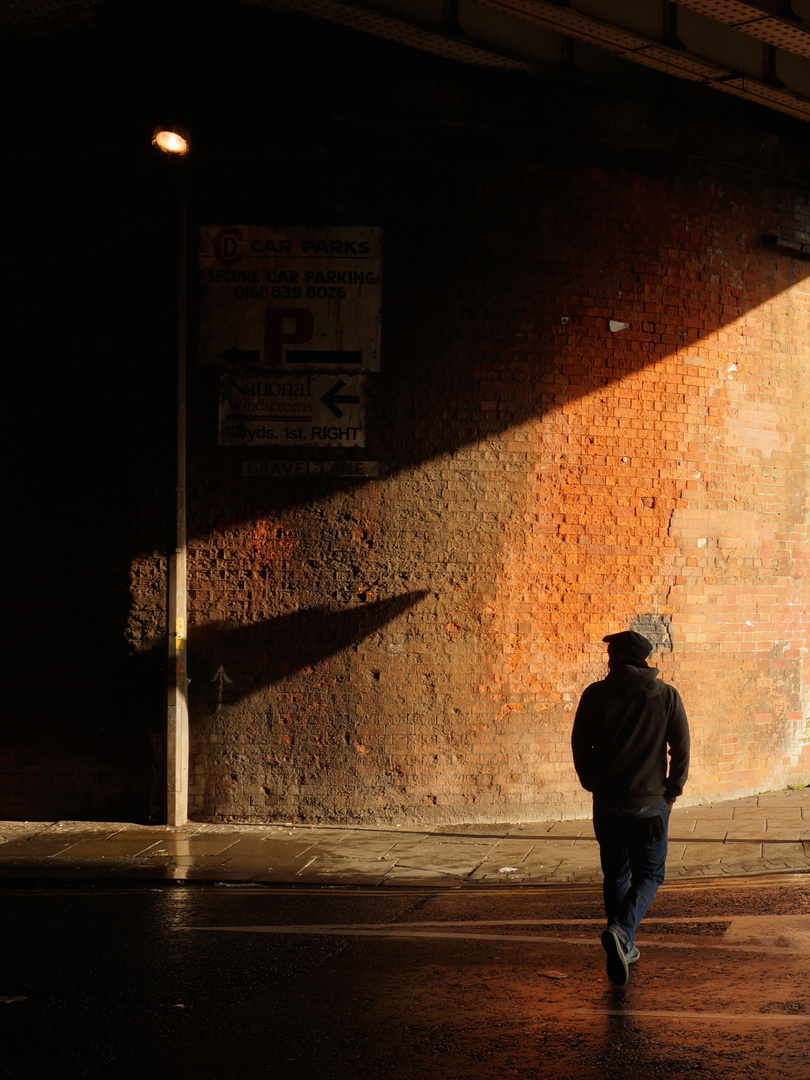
[(682, 62), (373, 21), (600, 24), (756, 21)]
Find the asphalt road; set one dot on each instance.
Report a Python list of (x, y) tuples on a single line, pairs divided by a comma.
[(226, 982)]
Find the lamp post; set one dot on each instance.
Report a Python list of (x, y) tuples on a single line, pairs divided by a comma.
[(175, 144)]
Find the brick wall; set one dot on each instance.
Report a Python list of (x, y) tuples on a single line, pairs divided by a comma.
[(409, 648), (413, 648)]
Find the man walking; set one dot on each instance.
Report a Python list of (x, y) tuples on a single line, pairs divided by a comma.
[(624, 727)]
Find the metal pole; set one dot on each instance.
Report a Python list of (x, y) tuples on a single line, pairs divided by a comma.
[(177, 606)]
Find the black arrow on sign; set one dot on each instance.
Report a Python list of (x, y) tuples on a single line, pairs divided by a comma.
[(332, 398), (239, 356)]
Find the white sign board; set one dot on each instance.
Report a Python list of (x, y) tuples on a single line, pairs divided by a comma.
[(264, 408), (301, 298)]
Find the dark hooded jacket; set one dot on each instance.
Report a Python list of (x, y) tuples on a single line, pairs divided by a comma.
[(624, 728)]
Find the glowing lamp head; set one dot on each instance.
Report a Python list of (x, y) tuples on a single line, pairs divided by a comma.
[(173, 143)]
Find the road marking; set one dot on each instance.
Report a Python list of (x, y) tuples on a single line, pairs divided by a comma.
[(414, 931), (663, 1014)]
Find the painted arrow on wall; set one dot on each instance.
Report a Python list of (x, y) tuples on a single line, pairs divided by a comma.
[(221, 678)]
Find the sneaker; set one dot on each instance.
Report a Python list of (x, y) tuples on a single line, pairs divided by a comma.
[(617, 970), (633, 956)]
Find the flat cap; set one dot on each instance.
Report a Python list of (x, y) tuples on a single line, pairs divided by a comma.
[(634, 646)]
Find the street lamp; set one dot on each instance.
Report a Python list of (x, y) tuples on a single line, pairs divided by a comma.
[(172, 141), (175, 143)]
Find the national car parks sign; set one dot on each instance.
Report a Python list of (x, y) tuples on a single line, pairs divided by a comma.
[(291, 316), (294, 298)]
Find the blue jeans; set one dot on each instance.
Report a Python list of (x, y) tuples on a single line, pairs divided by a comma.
[(633, 860)]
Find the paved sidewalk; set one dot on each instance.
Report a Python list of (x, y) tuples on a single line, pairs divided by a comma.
[(766, 833)]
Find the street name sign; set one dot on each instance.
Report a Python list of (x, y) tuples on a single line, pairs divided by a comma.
[(339, 470)]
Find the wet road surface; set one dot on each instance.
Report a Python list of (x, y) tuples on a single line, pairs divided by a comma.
[(228, 982)]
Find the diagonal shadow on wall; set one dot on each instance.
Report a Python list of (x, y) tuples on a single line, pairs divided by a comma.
[(247, 658)]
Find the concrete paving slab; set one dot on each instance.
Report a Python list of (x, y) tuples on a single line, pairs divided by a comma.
[(783, 850), (344, 871), (38, 848), (576, 875), (456, 864), (788, 796), (680, 827), (547, 871), (216, 876), (703, 813), (752, 828), (509, 851), (781, 833), (584, 861), (789, 811), (132, 846), (193, 845), (455, 848), (450, 840), (517, 878), (246, 871), (62, 868), (751, 813), (405, 875), (341, 876), (404, 850), (709, 833), (478, 828), (704, 841), (541, 858), (245, 850), (372, 835), (153, 832), (711, 828), (111, 828), (369, 848), (350, 863), (20, 830), (562, 844), (706, 853), (183, 861), (530, 828), (534, 862), (277, 857), (311, 832), (492, 870), (570, 829)]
